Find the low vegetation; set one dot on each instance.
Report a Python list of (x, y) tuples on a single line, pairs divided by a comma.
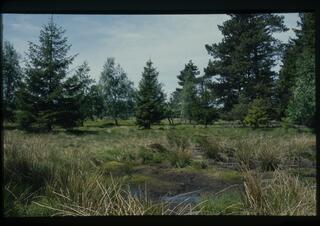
[(127, 171)]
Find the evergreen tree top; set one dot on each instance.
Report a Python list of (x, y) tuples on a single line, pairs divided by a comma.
[(51, 50)]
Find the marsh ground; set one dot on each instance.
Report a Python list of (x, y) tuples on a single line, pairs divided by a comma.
[(216, 170)]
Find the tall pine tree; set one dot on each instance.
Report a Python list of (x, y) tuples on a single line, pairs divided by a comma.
[(150, 99), (244, 59), (41, 97)]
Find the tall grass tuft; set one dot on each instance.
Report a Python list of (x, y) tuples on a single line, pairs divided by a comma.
[(282, 195), (211, 147), (95, 195)]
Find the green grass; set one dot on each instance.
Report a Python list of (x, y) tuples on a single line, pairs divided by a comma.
[(38, 166), (226, 203)]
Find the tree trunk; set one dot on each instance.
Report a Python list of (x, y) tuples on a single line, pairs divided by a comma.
[(116, 122)]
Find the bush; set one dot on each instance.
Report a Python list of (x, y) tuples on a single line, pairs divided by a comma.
[(239, 110), (258, 113), (286, 123), (147, 156), (24, 119)]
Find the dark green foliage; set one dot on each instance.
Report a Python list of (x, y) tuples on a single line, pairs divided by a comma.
[(258, 113), (95, 107), (189, 70), (11, 80), (150, 99), (287, 76), (243, 60), (204, 111), (301, 106), (117, 91), (239, 110), (75, 101), (147, 156), (42, 93)]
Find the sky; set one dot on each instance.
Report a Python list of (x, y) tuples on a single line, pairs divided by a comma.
[(170, 41)]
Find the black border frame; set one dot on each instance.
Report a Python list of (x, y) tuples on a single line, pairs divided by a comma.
[(170, 7)]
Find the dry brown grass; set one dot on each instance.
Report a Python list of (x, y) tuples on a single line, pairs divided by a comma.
[(282, 195)]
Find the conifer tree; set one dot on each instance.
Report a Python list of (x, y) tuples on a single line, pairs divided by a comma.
[(189, 69), (302, 104), (243, 60), (41, 97), (75, 100), (204, 111), (11, 80), (150, 99)]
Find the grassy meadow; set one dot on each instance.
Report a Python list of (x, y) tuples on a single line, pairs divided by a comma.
[(102, 169)]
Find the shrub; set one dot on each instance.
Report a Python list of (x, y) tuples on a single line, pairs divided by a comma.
[(147, 156), (258, 113), (286, 123), (24, 119), (239, 110)]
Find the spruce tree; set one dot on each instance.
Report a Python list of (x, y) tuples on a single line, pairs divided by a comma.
[(189, 69), (11, 80), (41, 97), (204, 111), (243, 60), (150, 99)]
